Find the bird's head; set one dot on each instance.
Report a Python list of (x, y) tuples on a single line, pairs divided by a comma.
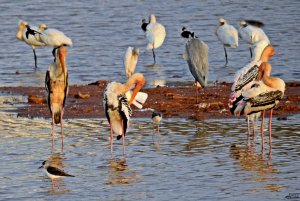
[(222, 21), (23, 23), (183, 28), (43, 27), (45, 164), (144, 21), (139, 80), (243, 23)]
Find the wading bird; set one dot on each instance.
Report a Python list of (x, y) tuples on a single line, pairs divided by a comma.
[(29, 39), (252, 35), (155, 34), (228, 35), (53, 172), (117, 107), (196, 55), (52, 38), (244, 79), (156, 118), (130, 60), (56, 83), (144, 25), (264, 95)]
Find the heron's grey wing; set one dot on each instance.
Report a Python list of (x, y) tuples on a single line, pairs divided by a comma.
[(197, 53)]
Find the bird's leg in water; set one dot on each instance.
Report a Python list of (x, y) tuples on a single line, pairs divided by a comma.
[(153, 55), (225, 56), (35, 63)]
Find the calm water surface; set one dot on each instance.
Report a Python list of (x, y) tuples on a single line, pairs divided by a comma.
[(189, 160), (102, 31)]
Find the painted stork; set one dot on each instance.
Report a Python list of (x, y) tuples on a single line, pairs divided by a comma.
[(244, 79), (56, 83), (117, 107), (156, 34), (29, 39), (263, 95), (228, 35), (130, 60)]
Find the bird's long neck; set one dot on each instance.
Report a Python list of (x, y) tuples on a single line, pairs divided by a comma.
[(273, 82)]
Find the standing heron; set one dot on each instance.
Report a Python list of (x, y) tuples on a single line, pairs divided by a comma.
[(130, 60), (156, 34), (117, 107), (196, 55), (252, 35), (228, 35), (56, 83), (244, 79), (29, 39), (263, 95), (52, 37)]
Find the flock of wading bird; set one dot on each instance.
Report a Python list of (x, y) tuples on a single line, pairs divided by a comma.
[(252, 93)]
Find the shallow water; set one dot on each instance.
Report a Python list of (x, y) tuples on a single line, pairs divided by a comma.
[(189, 160), (102, 31)]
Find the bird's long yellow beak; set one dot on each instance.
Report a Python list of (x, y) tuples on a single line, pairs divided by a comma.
[(137, 88)]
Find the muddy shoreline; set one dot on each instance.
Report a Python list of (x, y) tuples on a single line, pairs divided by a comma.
[(85, 101)]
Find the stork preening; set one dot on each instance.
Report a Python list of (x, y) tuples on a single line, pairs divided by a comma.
[(264, 95), (130, 60), (29, 38), (244, 80), (117, 107), (156, 34), (56, 83), (253, 36), (228, 35)]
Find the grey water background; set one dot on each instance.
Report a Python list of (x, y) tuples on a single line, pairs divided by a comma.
[(194, 160), (188, 160), (102, 30)]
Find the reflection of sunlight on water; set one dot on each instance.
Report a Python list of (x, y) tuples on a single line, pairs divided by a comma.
[(120, 174)]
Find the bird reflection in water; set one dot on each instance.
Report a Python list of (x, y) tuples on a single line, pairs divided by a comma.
[(120, 174), (260, 166), (57, 185)]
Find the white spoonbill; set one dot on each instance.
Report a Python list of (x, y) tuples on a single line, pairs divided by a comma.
[(156, 34), (264, 95), (29, 39), (53, 38), (130, 60), (252, 35), (228, 35), (244, 80), (56, 83), (117, 107)]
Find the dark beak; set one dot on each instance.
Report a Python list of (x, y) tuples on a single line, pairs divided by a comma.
[(40, 167)]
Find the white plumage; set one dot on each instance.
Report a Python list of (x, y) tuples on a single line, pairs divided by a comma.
[(117, 106), (253, 36), (155, 33), (29, 39), (227, 34), (53, 37), (130, 60)]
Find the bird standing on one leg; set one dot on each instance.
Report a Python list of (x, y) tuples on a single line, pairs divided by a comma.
[(117, 107), (29, 39), (56, 83), (228, 35), (156, 34)]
